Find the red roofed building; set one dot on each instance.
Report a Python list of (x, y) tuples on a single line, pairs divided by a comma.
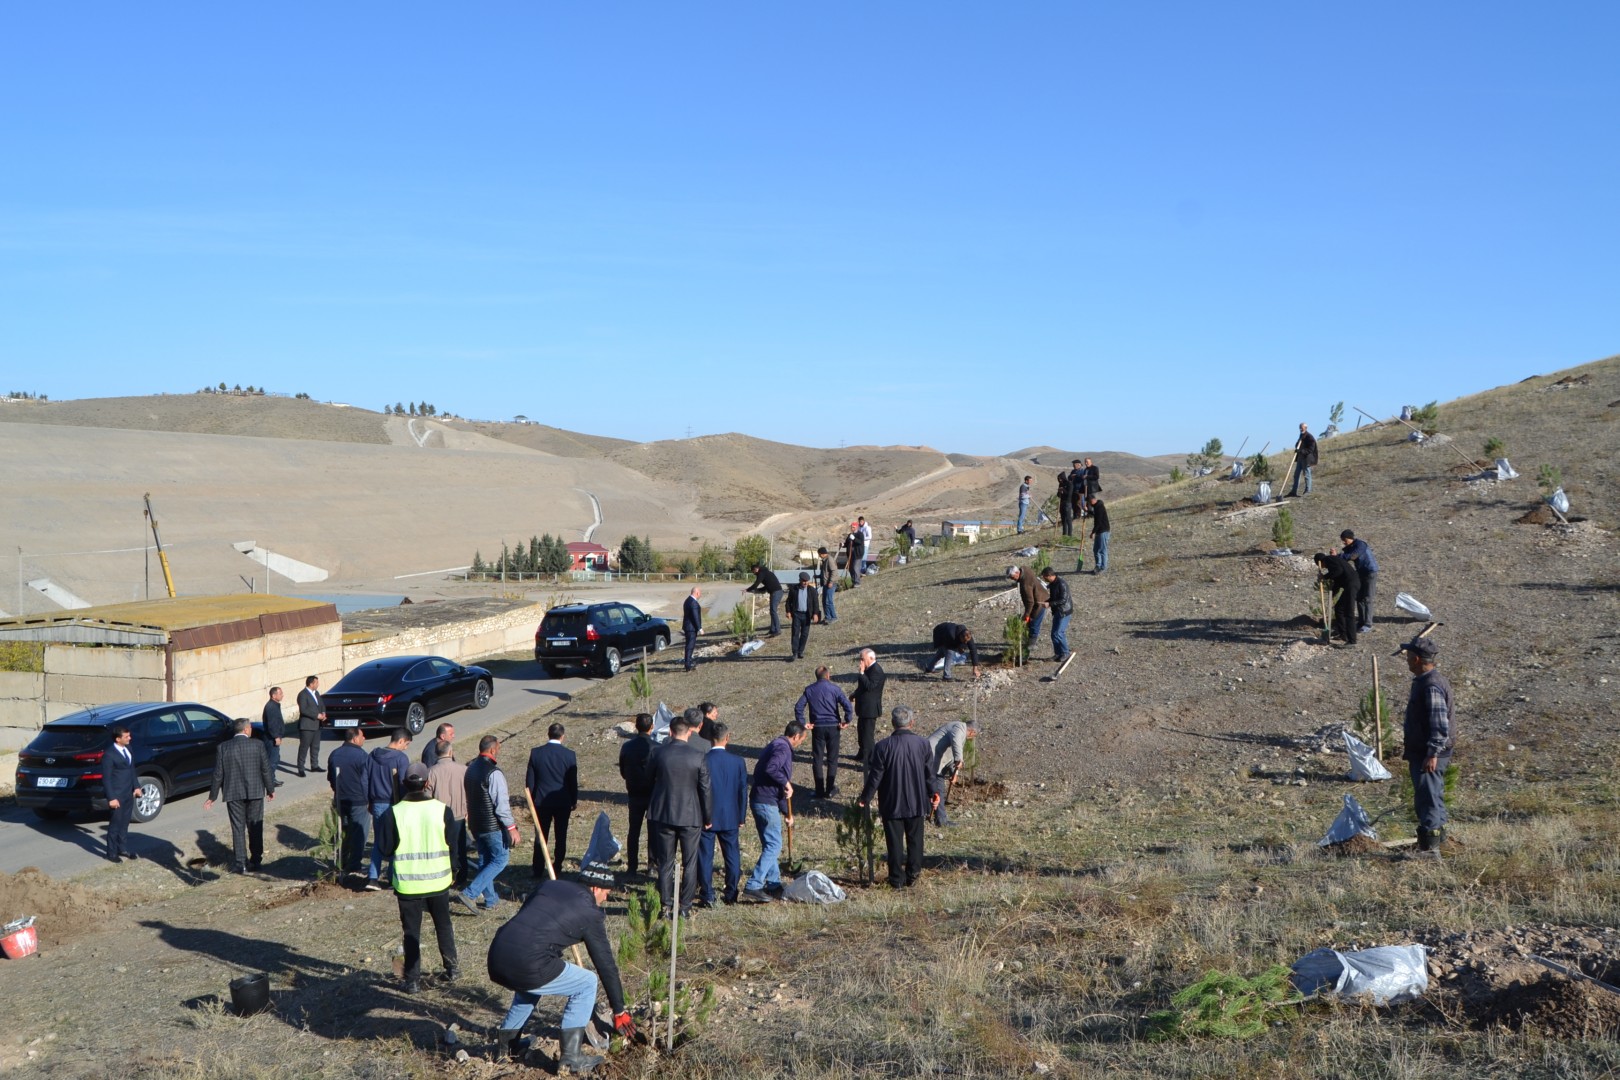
[(588, 556)]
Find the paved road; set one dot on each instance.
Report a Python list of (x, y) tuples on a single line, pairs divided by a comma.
[(184, 829)]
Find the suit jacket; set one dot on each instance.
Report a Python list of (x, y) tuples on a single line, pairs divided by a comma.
[(728, 780), (309, 711), (812, 595), (900, 775), (691, 617), (869, 692), (681, 795), (241, 770), (553, 777), (636, 765), (274, 725), (117, 775)]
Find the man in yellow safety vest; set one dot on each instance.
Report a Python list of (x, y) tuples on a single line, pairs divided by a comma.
[(417, 833)]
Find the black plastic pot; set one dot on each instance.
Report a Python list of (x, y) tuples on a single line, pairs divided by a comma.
[(250, 994)]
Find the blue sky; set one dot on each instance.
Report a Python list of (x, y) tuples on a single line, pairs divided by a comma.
[(979, 227)]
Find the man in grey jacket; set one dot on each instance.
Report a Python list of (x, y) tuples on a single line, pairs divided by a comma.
[(948, 744)]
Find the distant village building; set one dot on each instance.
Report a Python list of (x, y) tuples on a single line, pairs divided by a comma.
[(588, 556)]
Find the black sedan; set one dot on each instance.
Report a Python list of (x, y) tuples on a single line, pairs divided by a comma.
[(404, 692), (173, 744)]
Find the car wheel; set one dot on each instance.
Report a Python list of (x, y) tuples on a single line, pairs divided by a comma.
[(481, 694), (49, 814), (610, 662), (416, 718), (553, 671), (149, 797), (660, 642)]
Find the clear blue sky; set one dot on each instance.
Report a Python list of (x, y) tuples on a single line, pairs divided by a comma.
[(976, 226)]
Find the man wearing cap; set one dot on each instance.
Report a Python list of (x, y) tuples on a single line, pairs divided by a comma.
[(827, 579), (804, 607), (1358, 554), (1343, 579), (1430, 737), (418, 834), (526, 957), (825, 710), (766, 581), (1304, 459)]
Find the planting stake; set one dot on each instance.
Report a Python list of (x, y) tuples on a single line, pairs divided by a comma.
[(1471, 463), (1378, 713), (1321, 591), (674, 947), (545, 853)]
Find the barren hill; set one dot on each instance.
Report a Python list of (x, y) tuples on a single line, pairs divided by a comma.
[(208, 414)]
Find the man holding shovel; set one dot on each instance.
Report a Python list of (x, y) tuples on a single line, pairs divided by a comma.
[(771, 801)]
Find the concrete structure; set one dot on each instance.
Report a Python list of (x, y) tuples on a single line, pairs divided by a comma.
[(460, 630)]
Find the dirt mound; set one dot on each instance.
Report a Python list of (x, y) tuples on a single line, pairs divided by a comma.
[(1541, 515), (1555, 1006), (64, 911), (1356, 845)]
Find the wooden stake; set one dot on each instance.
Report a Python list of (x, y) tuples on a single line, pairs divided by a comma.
[(545, 853), (674, 947), (1321, 591), (1471, 462), (1378, 713)]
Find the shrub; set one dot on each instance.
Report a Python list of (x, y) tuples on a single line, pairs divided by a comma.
[(22, 656), (1043, 559), (1336, 414), (636, 555), (1207, 458), (1175, 473), (1224, 1006), (741, 623), (1282, 528), (712, 559), (1366, 727), (750, 550), (1494, 447), (641, 693), (1427, 419)]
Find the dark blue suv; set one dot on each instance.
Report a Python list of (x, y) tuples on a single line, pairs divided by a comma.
[(173, 744)]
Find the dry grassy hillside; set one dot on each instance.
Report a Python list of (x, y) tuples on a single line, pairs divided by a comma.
[(546, 439), (208, 414)]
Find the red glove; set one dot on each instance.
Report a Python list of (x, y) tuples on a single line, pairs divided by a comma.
[(624, 1025)]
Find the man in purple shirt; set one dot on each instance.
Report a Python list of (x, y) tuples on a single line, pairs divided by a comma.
[(829, 712), (772, 798)]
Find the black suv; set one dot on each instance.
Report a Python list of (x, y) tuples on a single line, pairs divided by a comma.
[(597, 636), (173, 744)]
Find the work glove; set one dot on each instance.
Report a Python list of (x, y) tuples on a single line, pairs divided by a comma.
[(624, 1025)]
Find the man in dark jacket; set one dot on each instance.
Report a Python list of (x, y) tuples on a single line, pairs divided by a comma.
[(827, 580), (119, 785), (311, 715), (1304, 459), (908, 533), (430, 753), (1077, 487), (242, 774), (692, 624), (346, 774), (901, 776), (728, 781), (826, 710), (766, 581), (635, 765), (489, 821), (1358, 554), (868, 703), (679, 812), (804, 608), (1060, 598), (553, 783), (951, 642), (1093, 480), (1099, 536), (272, 727), (1032, 595), (1065, 504), (1430, 736), (1343, 579), (772, 803), (385, 785), (526, 957)]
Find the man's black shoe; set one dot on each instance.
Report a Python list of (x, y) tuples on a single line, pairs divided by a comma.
[(280, 782), (775, 889), (412, 986), (759, 896), (316, 768), (300, 772)]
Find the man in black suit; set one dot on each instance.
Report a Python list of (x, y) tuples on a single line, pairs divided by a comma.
[(553, 783), (692, 624), (868, 703), (901, 775), (635, 765), (272, 726), (804, 608), (679, 813), (766, 581), (310, 716), (119, 784), (242, 773)]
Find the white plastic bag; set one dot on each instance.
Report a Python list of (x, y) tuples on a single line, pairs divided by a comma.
[(956, 658), (1237, 470), (1352, 821), (814, 887), (751, 648), (661, 718), (1409, 603), (604, 846), (1028, 552), (1504, 471), (1262, 494), (1364, 764), (1389, 974), (1559, 501)]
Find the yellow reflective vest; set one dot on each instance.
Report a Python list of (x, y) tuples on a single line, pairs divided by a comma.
[(422, 861)]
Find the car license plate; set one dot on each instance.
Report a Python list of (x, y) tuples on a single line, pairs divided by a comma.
[(560, 641), (51, 781), (349, 722)]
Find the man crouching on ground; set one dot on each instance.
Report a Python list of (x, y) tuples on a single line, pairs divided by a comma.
[(526, 958)]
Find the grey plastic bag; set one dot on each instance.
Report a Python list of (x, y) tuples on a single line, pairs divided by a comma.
[(1411, 605), (814, 888), (1364, 764), (1559, 501), (604, 846), (1504, 471), (1388, 974), (1352, 821), (661, 718)]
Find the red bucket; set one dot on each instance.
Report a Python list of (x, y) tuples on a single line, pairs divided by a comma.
[(20, 942)]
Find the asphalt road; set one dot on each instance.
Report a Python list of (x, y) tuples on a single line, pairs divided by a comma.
[(73, 847)]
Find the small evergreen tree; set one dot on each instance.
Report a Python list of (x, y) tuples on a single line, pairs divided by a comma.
[(1282, 528), (1494, 447), (1427, 419), (1260, 467), (1336, 414)]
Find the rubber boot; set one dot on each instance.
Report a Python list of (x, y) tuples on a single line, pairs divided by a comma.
[(510, 1045), (1425, 839), (573, 1058)]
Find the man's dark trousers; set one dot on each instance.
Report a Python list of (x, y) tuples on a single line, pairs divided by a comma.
[(309, 745), (558, 838), (776, 612), (118, 826), (638, 814), (274, 753), (801, 633), (1429, 794), (437, 905), (691, 647), (731, 851), (1364, 602), (905, 841), (824, 757), (664, 839), (247, 829), (865, 732), (356, 829)]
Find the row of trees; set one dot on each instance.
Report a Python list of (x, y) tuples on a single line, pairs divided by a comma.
[(237, 389), (549, 555), (541, 555), (24, 395), (413, 409)]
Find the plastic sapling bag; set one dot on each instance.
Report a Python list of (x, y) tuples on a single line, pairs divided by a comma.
[(1389, 974), (1559, 501), (1364, 764), (1352, 821), (814, 888), (1410, 604), (1504, 471)]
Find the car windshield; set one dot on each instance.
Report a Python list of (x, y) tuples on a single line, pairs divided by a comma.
[(68, 739), (367, 680)]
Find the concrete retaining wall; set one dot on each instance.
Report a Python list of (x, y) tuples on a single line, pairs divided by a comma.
[(463, 642)]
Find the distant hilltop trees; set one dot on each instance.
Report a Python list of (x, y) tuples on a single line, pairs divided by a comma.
[(24, 395), (413, 409), (257, 391)]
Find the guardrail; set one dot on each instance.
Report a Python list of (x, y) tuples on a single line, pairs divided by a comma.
[(604, 576)]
